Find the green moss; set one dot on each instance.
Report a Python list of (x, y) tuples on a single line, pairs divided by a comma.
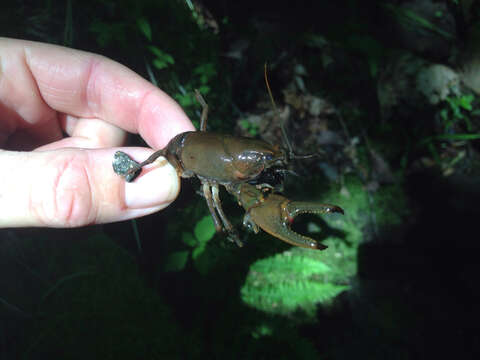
[(386, 206), (391, 205)]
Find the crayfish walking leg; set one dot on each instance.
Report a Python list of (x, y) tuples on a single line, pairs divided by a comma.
[(214, 205), (211, 190)]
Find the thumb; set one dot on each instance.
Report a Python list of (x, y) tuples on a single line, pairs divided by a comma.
[(77, 187)]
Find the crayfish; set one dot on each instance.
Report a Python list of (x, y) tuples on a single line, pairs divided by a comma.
[(240, 165)]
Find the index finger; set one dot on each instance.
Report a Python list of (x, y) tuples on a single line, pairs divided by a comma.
[(92, 86)]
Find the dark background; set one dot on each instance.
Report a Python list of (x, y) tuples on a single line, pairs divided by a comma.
[(405, 170)]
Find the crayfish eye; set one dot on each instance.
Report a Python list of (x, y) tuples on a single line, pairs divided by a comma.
[(268, 157)]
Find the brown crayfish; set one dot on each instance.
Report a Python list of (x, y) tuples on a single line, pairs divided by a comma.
[(238, 163)]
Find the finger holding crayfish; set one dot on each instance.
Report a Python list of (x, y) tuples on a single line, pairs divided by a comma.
[(274, 214)]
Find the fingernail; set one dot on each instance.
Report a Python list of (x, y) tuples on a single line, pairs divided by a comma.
[(157, 185)]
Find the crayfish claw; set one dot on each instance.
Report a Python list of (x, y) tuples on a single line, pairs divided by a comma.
[(250, 224), (275, 213), (276, 216), (291, 209)]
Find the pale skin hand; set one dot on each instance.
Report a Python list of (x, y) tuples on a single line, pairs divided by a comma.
[(51, 179)]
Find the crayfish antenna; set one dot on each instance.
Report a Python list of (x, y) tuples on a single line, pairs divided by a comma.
[(307, 156), (282, 124), (291, 154)]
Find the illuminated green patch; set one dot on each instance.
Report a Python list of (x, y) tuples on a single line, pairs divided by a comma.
[(288, 282)]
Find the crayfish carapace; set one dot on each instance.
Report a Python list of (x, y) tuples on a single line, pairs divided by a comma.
[(236, 163)]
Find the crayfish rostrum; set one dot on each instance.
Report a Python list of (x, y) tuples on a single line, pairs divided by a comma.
[(238, 163)]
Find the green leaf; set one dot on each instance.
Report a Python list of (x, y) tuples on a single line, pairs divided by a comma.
[(466, 102), (204, 229), (196, 123), (261, 331), (204, 89), (160, 64), (156, 51), (202, 262), (444, 114), (189, 239), (458, 137), (145, 28), (169, 59), (373, 66), (190, 5), (198, 251), (176, 261), (315, 40), (244, 124), (163, 58), (207, 69), (287, 282), (185, 100), (405, 16)]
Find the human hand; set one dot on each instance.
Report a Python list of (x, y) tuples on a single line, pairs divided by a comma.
[(51, 179)]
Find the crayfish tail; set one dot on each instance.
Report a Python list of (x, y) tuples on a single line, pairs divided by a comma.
[(125, 166)]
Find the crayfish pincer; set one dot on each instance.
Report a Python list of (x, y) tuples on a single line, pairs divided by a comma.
[(231, 161), (275, 213)]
